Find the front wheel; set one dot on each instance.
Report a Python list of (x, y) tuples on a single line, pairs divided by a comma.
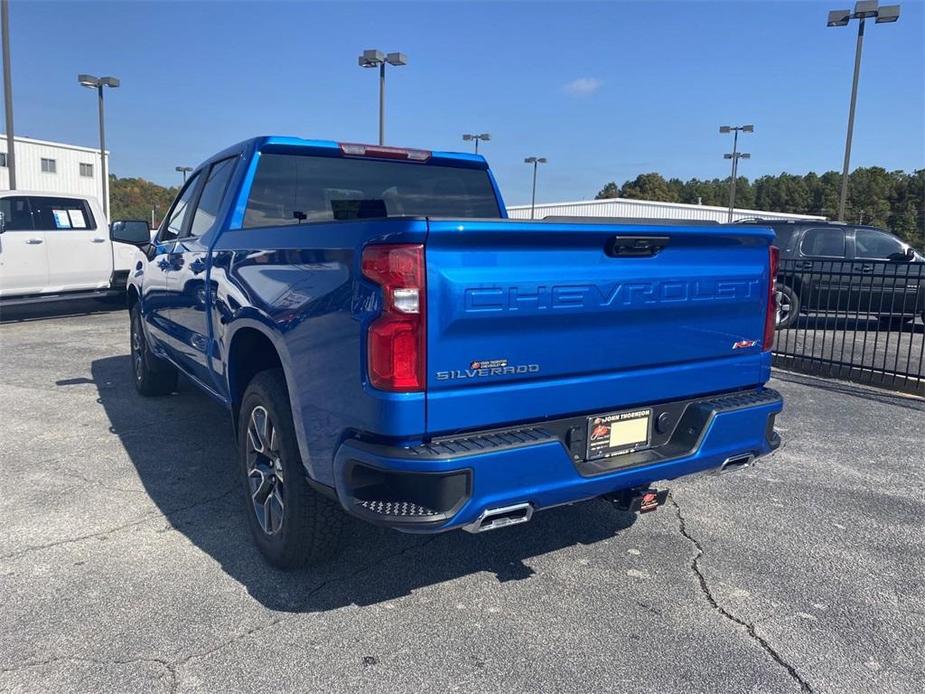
[(292, 524), (153, 376)]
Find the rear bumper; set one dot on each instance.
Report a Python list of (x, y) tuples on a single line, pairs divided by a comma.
[(450, 483)]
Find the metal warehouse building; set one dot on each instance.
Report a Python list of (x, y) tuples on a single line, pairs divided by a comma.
[(53, 167), (643, 209)]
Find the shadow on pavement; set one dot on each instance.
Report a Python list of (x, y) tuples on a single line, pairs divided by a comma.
[(865, 392), (181, 447), (60, 309)]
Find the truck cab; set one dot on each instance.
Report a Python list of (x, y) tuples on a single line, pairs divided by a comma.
[(391, 346), (57, 247)]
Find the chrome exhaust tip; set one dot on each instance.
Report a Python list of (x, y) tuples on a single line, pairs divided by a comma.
[(494, 518), (736, 462)]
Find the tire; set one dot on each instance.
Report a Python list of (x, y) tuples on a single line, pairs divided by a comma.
[(788, 307), (152, 375), (292, 524)]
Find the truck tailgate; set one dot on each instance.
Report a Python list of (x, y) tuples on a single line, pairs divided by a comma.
[(534, 320)]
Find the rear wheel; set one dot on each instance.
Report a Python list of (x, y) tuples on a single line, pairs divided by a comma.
[(152, 375), (292, 524), (788, 306)]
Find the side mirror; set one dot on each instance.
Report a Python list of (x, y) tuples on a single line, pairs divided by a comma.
[(906, 256), (132, 231)]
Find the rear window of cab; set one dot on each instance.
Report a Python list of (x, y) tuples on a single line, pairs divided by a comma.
[(291, 189)]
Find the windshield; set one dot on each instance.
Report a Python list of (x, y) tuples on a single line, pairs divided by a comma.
[(295, 189)]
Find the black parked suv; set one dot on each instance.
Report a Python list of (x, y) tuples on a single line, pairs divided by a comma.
[(832, 266)]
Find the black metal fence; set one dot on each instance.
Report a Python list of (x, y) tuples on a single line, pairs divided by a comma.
[(861, 320)]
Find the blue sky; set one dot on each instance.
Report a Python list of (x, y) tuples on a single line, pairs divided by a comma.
[(604, 90)]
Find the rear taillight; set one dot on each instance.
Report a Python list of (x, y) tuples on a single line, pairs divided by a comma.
[(396, 342), (770, 317)]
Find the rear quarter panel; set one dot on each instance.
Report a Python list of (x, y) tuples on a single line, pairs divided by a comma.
[(302, 287)]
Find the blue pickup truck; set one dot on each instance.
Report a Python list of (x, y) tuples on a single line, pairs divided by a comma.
[(391, 346)]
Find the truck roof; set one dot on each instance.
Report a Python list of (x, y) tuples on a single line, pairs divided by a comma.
[(333, 148)]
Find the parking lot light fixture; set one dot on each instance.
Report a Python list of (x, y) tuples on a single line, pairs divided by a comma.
[(184, 170), (863, 10), (372, 58), (93, 82), (536, 161), (735, 156), (485, 137)]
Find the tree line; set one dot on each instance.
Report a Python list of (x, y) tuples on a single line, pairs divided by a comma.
[(892, 200), (136, 198)]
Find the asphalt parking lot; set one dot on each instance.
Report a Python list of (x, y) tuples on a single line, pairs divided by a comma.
[(125, 563)]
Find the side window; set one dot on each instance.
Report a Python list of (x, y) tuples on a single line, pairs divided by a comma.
[(869, 243), (173, 225), (17, 213), (61, 214), (824, 243), (783, 238), (211, 198)]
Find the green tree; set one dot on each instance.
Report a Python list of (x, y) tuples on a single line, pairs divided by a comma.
[(648, 186), (609, 191), (136, 198)]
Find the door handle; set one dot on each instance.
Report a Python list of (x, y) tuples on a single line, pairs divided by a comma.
[(33, 241), (97, 239), (866, 267)]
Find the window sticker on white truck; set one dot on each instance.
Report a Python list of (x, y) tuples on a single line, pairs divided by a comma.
[(62, 220), (77, 219)]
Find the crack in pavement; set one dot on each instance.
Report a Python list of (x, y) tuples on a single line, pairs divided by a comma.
[(749, 628), (102, 533), (90, 481)]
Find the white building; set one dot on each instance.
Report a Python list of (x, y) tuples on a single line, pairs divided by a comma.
[(53, 167), (643, 209)]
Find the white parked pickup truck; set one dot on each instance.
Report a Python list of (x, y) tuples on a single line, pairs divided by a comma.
[(55, 247)]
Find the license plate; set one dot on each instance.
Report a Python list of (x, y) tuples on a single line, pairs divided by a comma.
[(618, 433)]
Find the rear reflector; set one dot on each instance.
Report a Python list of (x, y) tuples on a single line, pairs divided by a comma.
[(770, 317), (396, 342), (380, 152)]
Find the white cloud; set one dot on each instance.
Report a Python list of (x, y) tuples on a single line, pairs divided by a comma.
[(583, 86)]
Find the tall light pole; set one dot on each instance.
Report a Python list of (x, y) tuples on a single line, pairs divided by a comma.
[(184, 170), (484, 136), (8, 93), (536, 161), (376, 58), (98, 83), (839, 18), (735, 156)]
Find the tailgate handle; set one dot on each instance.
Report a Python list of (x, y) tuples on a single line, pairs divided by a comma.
[(635, 246)]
